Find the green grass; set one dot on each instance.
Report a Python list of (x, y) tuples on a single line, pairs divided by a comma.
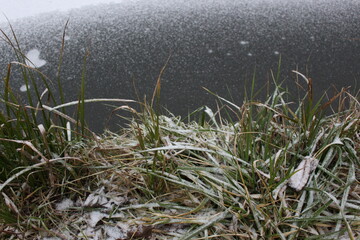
[(207, 177)]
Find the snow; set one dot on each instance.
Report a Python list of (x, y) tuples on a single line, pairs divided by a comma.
[(64, 204), (114, 232), (23, 88), (96, 198), (124, 226), (33, 59), (95, 217)]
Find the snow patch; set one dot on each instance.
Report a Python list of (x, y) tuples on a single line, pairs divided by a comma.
[(114, 232), (125, 227), (95, 217), (64, 204), (33, 59), (23, 88)]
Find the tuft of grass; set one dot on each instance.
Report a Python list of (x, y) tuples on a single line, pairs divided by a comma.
[(229, 178), (34, 151), (36, 142), (165, 177)]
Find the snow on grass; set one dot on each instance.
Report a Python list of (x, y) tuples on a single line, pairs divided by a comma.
[(64, 204), (114, 232), (95, 217)]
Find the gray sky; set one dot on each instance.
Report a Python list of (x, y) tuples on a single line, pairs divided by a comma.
[(15, 9)]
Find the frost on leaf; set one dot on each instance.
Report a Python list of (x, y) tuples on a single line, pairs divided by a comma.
[(302, 173), (96, 198)]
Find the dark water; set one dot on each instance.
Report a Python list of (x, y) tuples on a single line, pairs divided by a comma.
[(208, 44)]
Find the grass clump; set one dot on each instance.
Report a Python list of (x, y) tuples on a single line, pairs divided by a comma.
[(276, 170), (165, 177)]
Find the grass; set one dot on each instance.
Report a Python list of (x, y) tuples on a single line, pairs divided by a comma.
[(167, 177)]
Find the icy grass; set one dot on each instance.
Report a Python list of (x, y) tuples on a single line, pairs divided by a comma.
[(163, 177), (273, 170)]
